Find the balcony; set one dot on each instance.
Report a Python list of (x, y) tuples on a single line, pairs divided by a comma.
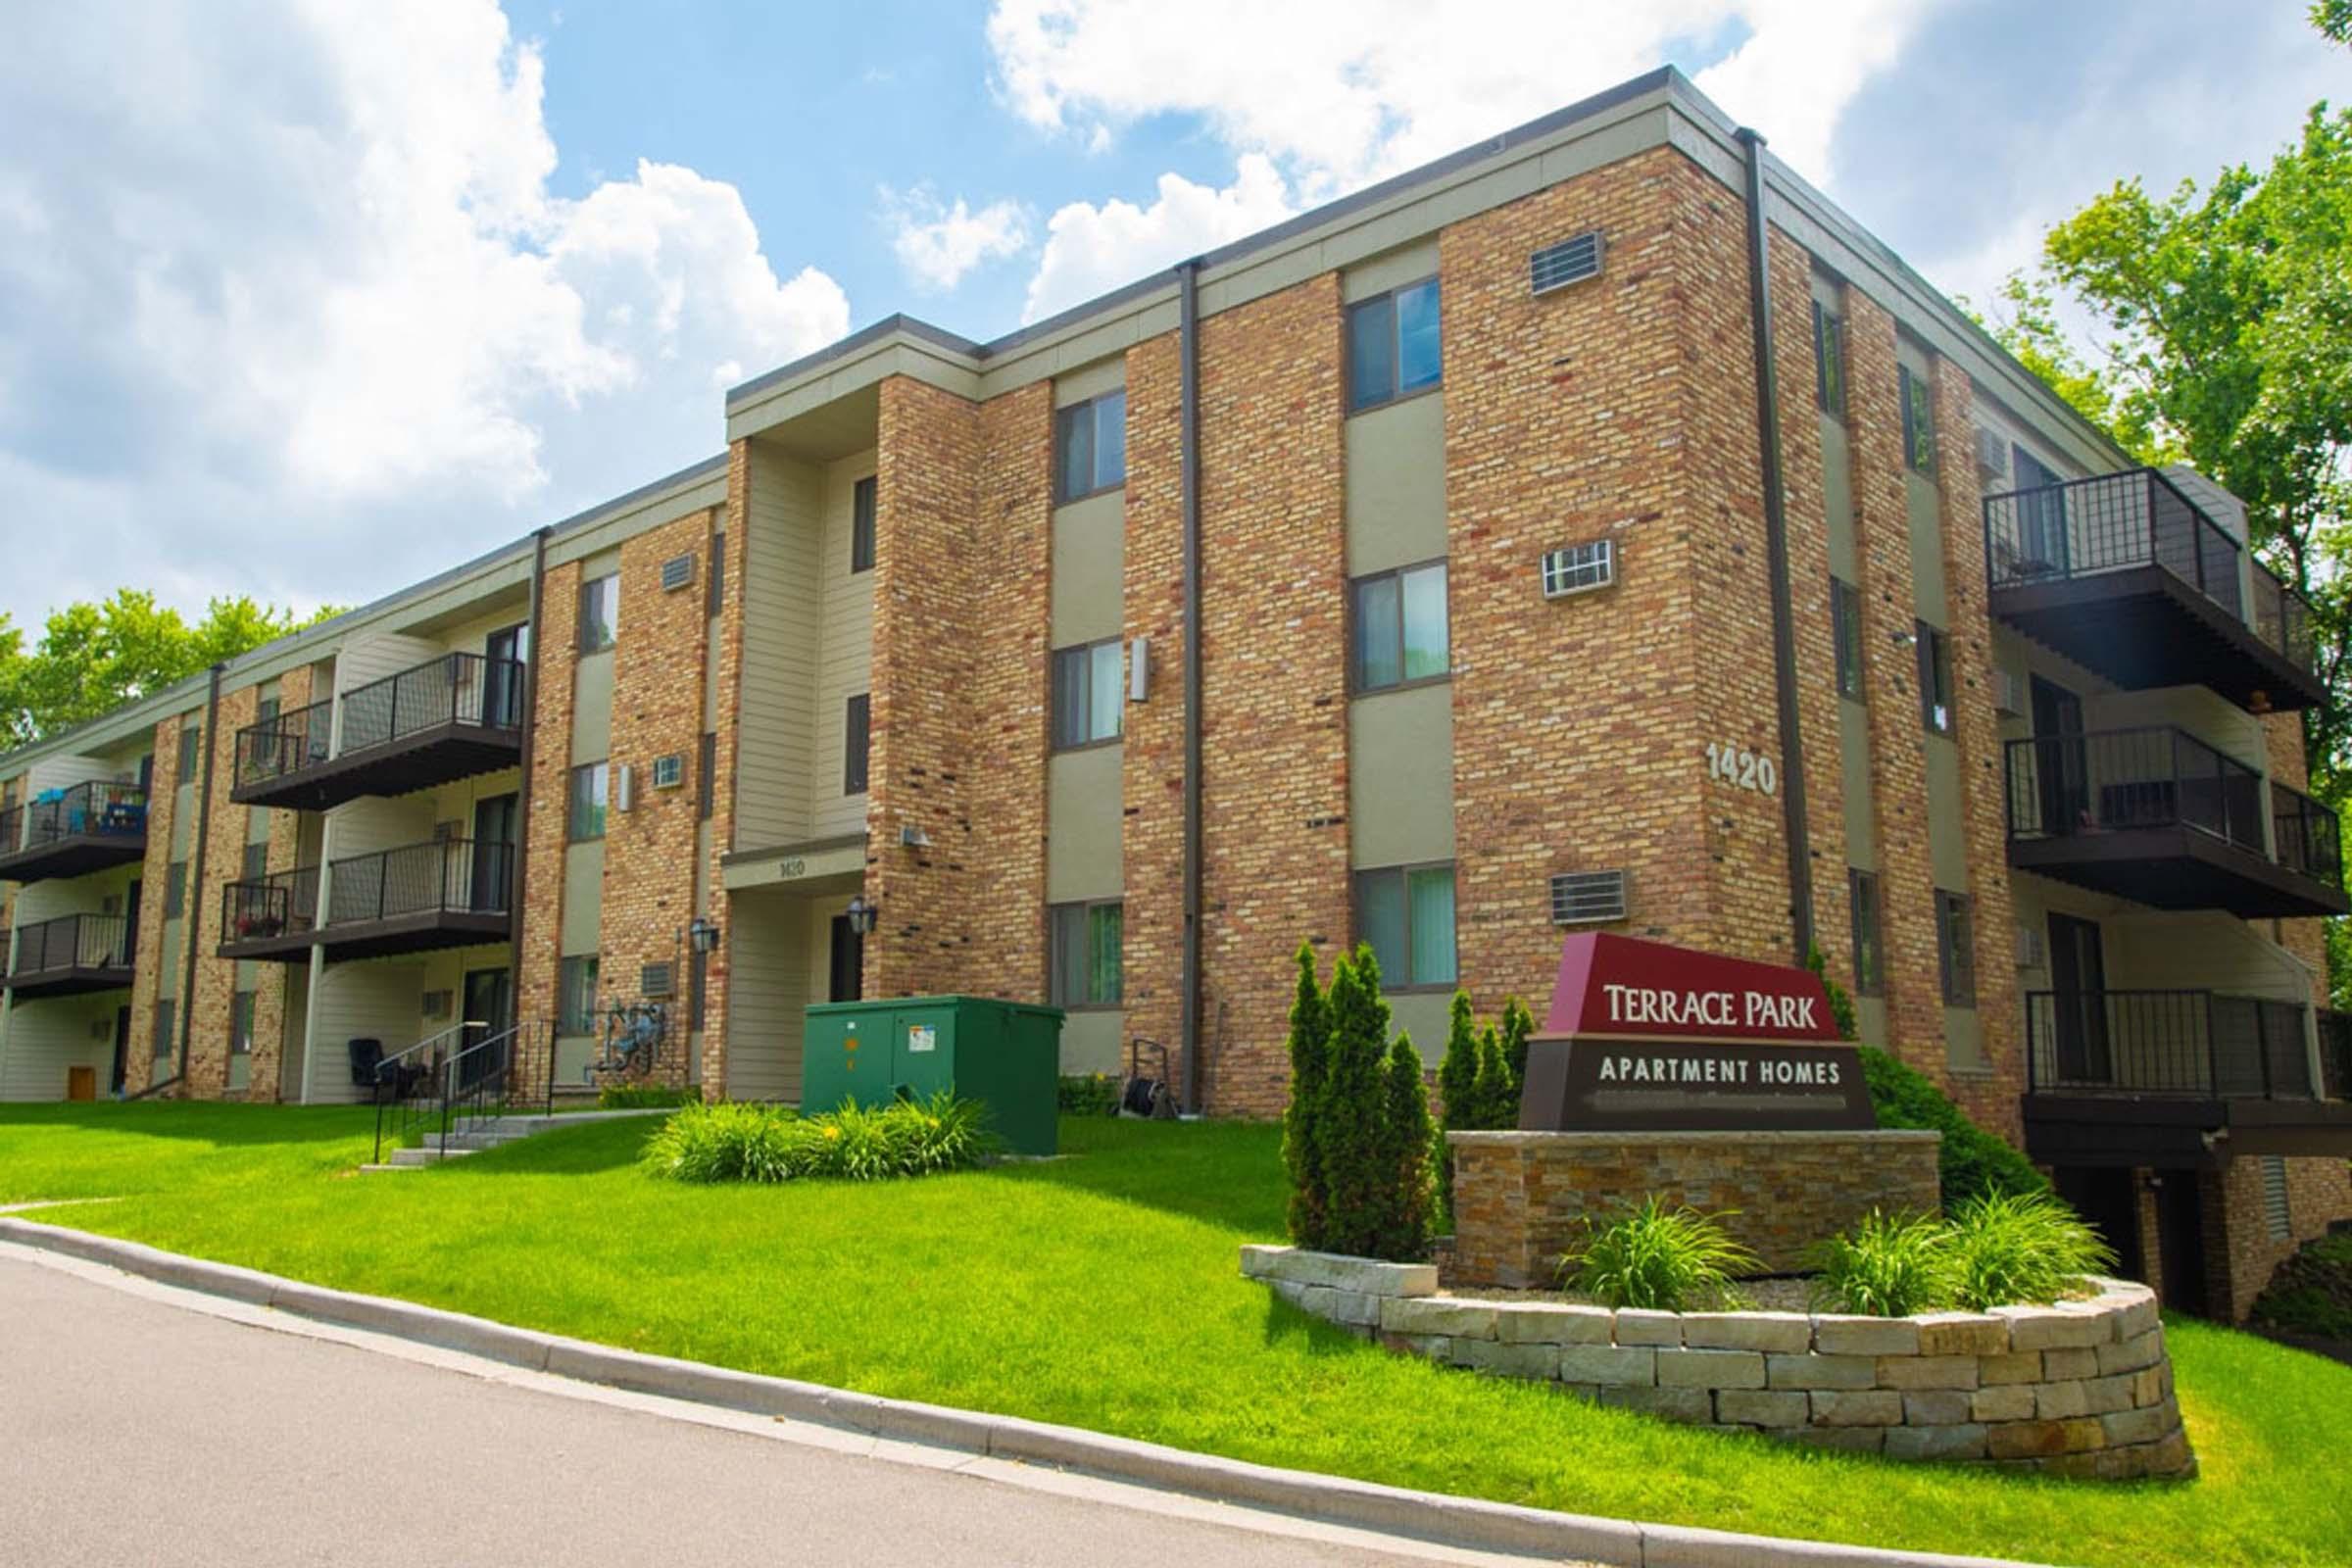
[(2174, 1078), (72, 832), (448, 718), (2158, 816), (71, 955), (451, 893), (2127, 576), (272, 918)]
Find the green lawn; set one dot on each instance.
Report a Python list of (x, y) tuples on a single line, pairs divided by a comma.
[(1101, 1290)]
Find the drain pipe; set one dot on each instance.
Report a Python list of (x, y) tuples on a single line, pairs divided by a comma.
[(1188, 338), (1776, 548), (192, 907)]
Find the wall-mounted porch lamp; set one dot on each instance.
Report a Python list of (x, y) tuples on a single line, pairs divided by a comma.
[(703, 934), (863, 916)]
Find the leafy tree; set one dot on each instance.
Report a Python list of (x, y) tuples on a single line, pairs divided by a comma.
[(1310, 1050), (93, 657)]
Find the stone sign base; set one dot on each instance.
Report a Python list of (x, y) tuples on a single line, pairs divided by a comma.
[(2081, 1389), (1520, 1199)]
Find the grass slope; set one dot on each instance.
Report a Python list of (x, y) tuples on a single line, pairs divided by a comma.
[(1101, 1290)]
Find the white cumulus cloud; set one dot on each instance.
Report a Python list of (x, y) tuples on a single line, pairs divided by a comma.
[(937, 245), (1090, 249)]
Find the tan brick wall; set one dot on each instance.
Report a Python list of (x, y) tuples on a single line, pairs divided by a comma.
[(554, 652), (1152, 764), (272, 990), (224, 863), (1898, 766), (729, 654), (2319, 1194), (647, 892), (146, 989)]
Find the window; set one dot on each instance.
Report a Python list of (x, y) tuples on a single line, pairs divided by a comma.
[(705, 777), (1086, 941), (856, 743), (191, 742), (575, 997), (590, 790), (1090, 446), (1829, 359), (714, 596), (1934, 679), (1870, 951), (600, 612), (257, 862), (175, 890), (2278, 1214), (1846, 627), (165, 1019), (1406, 913), (1918, 420), (1393, 345), (265, 710), (1400, 627), (1085, 695), (861, 524), (240, 1024), (1579, 568), (1956, 947)]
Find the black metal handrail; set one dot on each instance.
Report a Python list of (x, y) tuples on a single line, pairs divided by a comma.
[(281, 903), (2137, 517), (449, 1084), (451, 689), (288, 743), (95, 810), (2110, 780), (2309, 838), (71, 942), (2199, 1043), (445, 877)]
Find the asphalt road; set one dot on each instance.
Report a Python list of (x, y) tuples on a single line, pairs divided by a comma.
[(136, 1431)]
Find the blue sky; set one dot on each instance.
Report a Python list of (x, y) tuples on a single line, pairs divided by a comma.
[(309, 298)]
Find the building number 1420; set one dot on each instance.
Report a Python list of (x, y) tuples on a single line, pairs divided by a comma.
[(1737, 765)]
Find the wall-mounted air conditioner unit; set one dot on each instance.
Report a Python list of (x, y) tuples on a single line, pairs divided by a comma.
[(624, 787), (2030, 949), (669, 771), (1587, 897), (1992, 454), (1579, 568), (2009, 692)]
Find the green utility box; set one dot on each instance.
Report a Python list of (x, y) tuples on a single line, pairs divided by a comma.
[(1007, 1054)]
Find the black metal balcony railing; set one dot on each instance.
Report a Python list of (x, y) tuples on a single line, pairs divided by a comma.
[(2308, 836), (288, 743), (2335, 1055), (71, 942), (2137, 517), (456, 877), (453, 689), (2112, 780), (2196, 1044), (280, 905), (85, 810)]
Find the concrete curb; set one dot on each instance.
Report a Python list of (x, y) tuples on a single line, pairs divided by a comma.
[(1462, 1522)]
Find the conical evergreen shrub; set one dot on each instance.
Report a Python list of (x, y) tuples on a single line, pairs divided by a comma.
[(1310, 1051), (1351, 1136), (1409, 1134)]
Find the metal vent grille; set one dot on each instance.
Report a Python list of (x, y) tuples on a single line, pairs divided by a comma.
[(437, 1003), (1993, 453), (1571, 260), (2274, 1211), (676, 572), (1584, 898), (1579, 568), (656, 980)]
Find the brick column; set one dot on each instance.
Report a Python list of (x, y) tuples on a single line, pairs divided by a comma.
[(224, 863), (555, 649), (274, 985), (146, 986), (1151, 762), (716, 994)]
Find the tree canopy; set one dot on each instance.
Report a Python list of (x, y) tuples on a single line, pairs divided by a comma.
[(93, 657)]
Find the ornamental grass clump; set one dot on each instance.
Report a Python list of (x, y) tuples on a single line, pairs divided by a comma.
[(1661, 1259), (1890, 1265), (736, 1142), (2011, 1249)]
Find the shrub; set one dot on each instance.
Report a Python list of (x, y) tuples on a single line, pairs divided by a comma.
[(1458, 1069), (1351, 1148), (1406, 1138), (1888, 1267), (2009, 1249), (1088, 1094), (1310, 1051), (738, 1142), (1972, 1162), (1664, 1259), (1496, 1092), (1842, 1000), (645, 1097), (2312, 1291)]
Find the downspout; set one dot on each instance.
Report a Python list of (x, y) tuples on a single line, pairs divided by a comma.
[(1188, 339), (1776, 548), (192, 909), (521, 885)]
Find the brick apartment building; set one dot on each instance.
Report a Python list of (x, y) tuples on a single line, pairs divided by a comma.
[(1504, 623)]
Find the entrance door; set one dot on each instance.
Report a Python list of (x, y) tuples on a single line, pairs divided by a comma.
[(848, 983), (2058, 762), (120, 1075), (493, 852), (2078, 976), (489, 1002), (2181, 1232), (504, 656)]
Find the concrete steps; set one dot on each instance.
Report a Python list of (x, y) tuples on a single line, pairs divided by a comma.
[(494, 1133)]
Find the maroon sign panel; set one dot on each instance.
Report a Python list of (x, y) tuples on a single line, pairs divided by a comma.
[(1622, 987)]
